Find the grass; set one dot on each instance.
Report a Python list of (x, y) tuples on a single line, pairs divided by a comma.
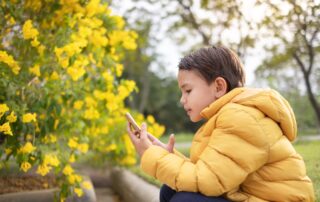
[(309, 150), (180, 137)]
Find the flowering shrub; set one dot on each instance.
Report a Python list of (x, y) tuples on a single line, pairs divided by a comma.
[(62, 94)]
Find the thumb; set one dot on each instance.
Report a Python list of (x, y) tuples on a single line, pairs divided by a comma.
[(171, 143), (143, 133)]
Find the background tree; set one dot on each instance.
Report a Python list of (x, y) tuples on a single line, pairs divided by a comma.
[(291, 29), (271, 32), (215, 22), (159, 94)]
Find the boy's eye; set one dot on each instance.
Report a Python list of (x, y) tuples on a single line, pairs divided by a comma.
[(188, 91)]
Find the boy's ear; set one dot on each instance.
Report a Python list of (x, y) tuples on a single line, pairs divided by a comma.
[(221, 86)]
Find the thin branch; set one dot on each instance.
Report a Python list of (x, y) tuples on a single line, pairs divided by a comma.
[(300, 63), (191, 18)]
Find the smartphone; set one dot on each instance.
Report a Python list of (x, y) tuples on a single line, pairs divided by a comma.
[(132, 121)]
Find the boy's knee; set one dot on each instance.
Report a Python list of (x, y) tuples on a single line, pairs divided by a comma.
[(166, 193), (181, 197)]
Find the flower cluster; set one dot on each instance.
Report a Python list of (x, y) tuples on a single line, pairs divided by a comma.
[(63, 94)]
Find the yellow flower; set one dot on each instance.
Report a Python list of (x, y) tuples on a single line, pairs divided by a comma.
[(76, 72), (28, 31), (112, 106), (41, 49), (8, 151), (128, 160), (29, 117), (129, 41), (67, 170), (72, 158), (108, 77), (33, 5), (78, 104), (8, 59), (111, 147), (119, 69), (3, 107), (131, 85), (91, 114), (64, 62), (86, 185), (119, 21), (11, 118), (35, 42), (12, 21), (6, 129), (50, 138), (78, 191), (29, 137), (94, 7), (43, 169), (104, 130), (51, 159), (83, 148), (35, 70), (27, 148), (56, 123), (123, 91), (72, 143), (45, 185), (74, 178), (73, 48), (90, 102), (58, 51), (53, 138), (127, 38), (98, 38), (99, 94), (128, 144), (150, 119), (37, 127), (25, 166), (54, 76)]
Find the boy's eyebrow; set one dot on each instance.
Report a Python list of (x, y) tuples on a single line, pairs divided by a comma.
[(184, 85)]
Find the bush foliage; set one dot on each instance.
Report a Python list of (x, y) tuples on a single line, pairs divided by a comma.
[(62, 94)]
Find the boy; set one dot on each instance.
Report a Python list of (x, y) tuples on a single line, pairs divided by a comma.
[(241, 153)]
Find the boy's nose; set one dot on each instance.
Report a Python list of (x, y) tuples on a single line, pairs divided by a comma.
[(182, 100)]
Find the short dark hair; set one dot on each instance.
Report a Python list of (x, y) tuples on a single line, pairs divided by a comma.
[(216, 61)]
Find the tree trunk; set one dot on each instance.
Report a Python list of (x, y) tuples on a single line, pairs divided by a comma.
[(311, 96), (312, 99), (145, 81)]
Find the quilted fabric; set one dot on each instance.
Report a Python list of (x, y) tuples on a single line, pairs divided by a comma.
[(243, 152)]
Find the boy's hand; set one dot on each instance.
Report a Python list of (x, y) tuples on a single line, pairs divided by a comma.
[(169, 147), (139, 139)]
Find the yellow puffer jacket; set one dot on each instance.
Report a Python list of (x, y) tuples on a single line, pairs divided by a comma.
[(243, 152)]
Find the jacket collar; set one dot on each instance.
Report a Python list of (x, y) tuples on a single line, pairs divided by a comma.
[(215, 106)]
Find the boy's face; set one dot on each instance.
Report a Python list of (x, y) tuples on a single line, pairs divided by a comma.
[(197, 94)]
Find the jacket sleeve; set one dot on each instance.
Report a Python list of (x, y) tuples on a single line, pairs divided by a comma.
[(237, 147)]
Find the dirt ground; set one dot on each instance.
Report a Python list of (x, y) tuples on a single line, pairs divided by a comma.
[(10, 184)]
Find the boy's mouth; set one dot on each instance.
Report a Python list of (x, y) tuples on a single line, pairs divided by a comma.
[(188, 110)]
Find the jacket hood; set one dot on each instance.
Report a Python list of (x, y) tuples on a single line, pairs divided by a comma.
[(268, 101)]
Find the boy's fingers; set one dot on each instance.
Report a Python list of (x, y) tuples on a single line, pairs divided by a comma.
[(143, 133), (131, 134), (171, 143), (152, 138)]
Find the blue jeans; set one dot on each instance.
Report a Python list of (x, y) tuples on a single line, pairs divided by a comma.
[(169, 195)]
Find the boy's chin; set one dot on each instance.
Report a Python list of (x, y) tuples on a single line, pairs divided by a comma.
[(195, 119)]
